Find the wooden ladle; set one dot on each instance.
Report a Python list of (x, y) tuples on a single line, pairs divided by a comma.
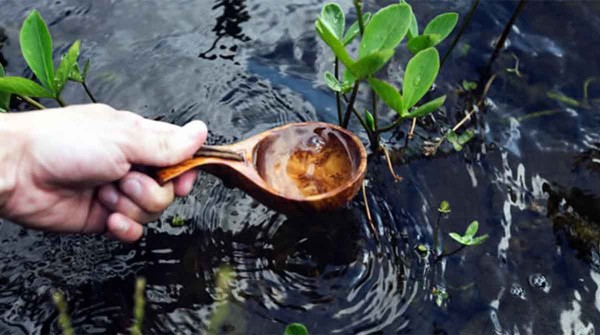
[(296, 168)]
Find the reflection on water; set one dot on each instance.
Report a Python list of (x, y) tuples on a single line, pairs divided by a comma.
[(530, 179)]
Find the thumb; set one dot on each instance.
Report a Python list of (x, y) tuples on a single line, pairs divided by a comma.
[(160, 144)]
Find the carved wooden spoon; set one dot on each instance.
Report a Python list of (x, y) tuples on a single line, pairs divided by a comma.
[(299, 167)]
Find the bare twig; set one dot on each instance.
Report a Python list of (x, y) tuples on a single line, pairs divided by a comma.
[(505, 33), (389, 164), (460, 32), (350, 104), (368, 212), (412, 129)]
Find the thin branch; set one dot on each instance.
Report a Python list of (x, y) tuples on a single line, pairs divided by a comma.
[(60, 101), (448, 254), (361, 23), (89, 93), (360, 119), (412, 129), (505, 33), (460, 32), (350, 104), (390, 126), (368, 212), (389, 164), (31, 102)]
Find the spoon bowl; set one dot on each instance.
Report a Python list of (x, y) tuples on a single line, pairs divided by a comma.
[(296, 168)]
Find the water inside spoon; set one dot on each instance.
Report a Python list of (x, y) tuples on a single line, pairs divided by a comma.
[(306, 161)]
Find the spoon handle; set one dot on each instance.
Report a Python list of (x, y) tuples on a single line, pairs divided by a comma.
[(219, 152), (206, 155)]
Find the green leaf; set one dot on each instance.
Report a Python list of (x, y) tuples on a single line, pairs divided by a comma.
[(458, 141), (369, 119), (67, 66), (444, 207), (368, 65), (472, 229), (86, 69), (442, 25), (413, 27), (428, 107), (4, 96), (22, 86), (328, 36), (333, 17), (386, 30), (354, 29), (479, 239), (389, 94), (469, 85), (36, 46), (423, 42), (295, 329), (332, 83), (420, 74), (458, 238)]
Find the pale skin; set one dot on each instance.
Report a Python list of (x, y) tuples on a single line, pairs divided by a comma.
[(69, 170)]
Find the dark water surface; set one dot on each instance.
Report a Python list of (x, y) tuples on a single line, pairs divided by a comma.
[(533, 183)]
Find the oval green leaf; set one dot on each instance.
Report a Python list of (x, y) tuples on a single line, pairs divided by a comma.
[(429, 107), (413, 27), (420, 74), (22, 86), (423, 42), (388, 93), (67, 66), (354, 29), (458, 238), (369, 120), (472, 229), (328, 36), (4, 96), (332, 82), (479, 239), (386, 30), (368, 65), (36, 46), (333, 16), (295, 329), (442, 25)]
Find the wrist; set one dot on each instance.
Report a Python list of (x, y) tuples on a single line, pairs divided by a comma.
[(11, 151)]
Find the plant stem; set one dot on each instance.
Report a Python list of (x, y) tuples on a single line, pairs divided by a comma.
[(389, 164), (60, 101), (448, 254), (369, 217), (338, 99), (31, 102), (375, 118), (361, 23), (351, 105), (361, 120), (461, 31), (412, 129), (505, 32), (89, 93), (390, 126)]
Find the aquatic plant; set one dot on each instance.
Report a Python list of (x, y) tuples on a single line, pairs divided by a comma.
[(64, 321), (381, 34), (295, 329), (36, 47)]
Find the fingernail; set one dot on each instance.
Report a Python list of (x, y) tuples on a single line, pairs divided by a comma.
[(109, 196), (120, 224), (195, 129), (132, 187)]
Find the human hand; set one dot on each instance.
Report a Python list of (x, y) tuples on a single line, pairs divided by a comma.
[(69, 169)]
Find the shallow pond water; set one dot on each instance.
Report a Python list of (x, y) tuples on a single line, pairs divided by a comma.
[(532, 180)]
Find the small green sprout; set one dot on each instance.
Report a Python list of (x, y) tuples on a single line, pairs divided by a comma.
[(422, 250), (178, 221), (295, 329), (63, 313), (444, 207), (138, 308), (458, 141), (469, 85), (469, 239)]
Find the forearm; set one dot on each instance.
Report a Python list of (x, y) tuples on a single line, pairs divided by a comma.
[(11, 152)]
